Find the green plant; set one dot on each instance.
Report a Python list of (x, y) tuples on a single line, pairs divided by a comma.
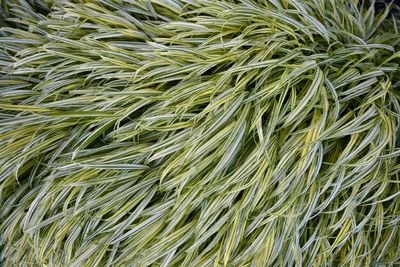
[(199, 133)]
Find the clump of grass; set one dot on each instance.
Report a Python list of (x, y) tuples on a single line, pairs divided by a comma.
[(199, 133)]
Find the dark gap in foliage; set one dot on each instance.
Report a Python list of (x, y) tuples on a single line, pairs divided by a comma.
[(264, 118), (350, 106), (239, 196), (40, 7), (193, 214), (136, 114), (99, 142), (200, 107), (170, 84), (219, 68), (344, 141), (251, 85), (211, 70), (381, 5)]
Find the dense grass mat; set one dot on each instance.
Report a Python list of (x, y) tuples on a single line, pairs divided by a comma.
[(199, 133)]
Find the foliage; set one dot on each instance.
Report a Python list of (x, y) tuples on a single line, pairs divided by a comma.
[(199, 133)]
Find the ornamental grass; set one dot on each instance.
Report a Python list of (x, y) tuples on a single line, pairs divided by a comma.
[(199, 133)]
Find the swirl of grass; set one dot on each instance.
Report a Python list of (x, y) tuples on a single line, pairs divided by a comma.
[(199, 133)]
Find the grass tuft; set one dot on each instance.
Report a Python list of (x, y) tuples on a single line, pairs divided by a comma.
[(199, 133)]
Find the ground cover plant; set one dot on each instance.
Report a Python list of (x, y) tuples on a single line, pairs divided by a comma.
[(199, 133)]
